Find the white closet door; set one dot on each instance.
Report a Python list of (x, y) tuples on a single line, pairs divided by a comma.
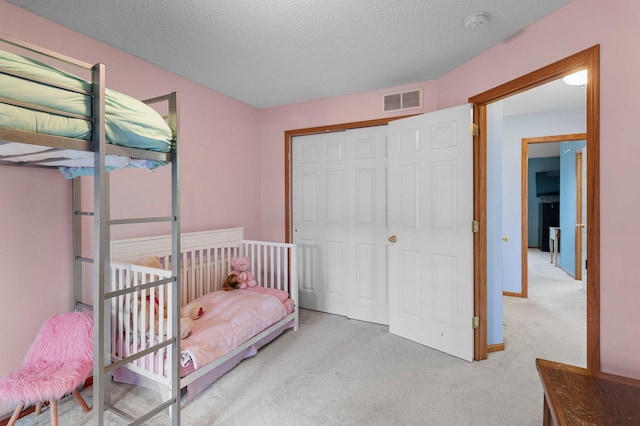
[(319, 220), (339, 223), (430, 212), (366, 272)]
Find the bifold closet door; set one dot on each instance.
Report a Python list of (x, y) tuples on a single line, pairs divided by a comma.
[(389, 239), (339, 222)]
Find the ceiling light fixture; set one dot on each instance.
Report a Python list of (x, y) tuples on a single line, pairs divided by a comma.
[(576, 79), (476, 20)]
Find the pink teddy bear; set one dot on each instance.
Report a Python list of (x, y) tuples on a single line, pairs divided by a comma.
[(241, 270)]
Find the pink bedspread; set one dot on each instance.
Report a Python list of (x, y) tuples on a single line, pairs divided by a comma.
[(230, 318)]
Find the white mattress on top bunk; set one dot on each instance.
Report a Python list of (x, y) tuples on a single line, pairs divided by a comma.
[(71, 163)]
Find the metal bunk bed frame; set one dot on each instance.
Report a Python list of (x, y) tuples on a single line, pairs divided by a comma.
[(103, 296)]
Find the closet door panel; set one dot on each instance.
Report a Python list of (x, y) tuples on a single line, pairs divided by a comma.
[(339, 184), (319, 220)]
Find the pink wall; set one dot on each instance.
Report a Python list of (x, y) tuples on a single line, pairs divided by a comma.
[(35, 280), (577, 26)]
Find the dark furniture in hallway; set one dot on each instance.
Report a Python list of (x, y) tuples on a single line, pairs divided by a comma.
[(548, 215)]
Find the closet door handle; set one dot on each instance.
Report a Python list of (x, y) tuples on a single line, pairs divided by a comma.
[(393, 239)]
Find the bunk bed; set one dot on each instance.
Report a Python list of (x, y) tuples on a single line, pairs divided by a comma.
[(230, 325), (53, 119)]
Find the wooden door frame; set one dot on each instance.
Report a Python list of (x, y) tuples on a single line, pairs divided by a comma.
[(588, 59), (524, 292)]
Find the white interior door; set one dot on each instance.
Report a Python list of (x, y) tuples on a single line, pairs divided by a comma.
[(430, 207), (366, 210), (319, 226), (339, 222)]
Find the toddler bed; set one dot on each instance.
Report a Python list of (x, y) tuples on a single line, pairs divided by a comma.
[(232, 326)]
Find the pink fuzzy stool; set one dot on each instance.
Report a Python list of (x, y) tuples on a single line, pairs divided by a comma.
[(57, 363)]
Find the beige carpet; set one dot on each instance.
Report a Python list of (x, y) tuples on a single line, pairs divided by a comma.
[(336, 371)]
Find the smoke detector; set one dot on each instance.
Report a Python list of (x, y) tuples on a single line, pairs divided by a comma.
[(476, 20)]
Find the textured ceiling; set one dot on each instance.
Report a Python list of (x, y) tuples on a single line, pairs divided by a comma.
[(275, 52)]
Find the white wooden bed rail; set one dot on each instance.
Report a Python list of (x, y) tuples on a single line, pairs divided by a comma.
[(273, 265), (205, 263), (129, 317)]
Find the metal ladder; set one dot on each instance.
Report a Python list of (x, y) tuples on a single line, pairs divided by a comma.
[(103, 295)]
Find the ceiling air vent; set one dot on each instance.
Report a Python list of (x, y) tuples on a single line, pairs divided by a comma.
[(403, 100)]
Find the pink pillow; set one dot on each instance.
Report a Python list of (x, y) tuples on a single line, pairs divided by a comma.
[(281, 295)]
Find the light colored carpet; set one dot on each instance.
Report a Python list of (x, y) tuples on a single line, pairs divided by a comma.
[(336, 371)]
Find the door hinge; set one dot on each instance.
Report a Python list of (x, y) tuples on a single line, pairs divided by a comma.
[(476, 322), (474, 226), (474, 129)]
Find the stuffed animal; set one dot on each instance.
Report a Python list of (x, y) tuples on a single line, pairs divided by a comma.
[(231, 283), (186, 323), (187, 313), (241, 270), (193, 310), (150, 261)]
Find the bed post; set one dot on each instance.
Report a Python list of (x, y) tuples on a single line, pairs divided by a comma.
[(293, 283), (76, 226), (175, 254), (101, 236)]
